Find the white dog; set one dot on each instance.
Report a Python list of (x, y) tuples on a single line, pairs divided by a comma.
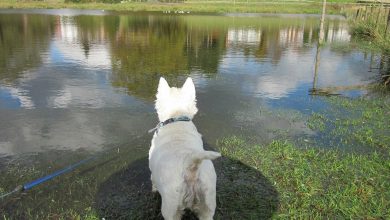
[(182, 171)]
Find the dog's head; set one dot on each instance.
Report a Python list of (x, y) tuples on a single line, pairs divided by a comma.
[(175, 102)]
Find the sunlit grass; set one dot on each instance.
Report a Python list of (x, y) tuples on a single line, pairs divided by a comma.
[(314, 183)]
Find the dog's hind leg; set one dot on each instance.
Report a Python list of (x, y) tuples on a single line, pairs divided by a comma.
[(170, 208), (154, 189), (207, 208), (206, 216)]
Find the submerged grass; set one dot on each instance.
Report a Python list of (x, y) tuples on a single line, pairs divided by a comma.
[(314, 180), (356, 124)]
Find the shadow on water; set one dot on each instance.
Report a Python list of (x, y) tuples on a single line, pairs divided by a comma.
[(242, 193)]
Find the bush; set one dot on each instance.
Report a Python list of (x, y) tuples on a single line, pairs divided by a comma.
[(365, 31), (89, 1)]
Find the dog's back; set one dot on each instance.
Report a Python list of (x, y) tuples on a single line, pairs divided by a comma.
[(182, 170)]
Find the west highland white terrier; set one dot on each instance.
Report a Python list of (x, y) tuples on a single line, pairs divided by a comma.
[(182, 171)]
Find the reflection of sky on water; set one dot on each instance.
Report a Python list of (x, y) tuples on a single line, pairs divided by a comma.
[(295, 71), (67, 47), (11, 97), (56, 87), (69, 78)]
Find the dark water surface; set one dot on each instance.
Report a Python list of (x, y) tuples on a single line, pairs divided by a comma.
[(76, 83)]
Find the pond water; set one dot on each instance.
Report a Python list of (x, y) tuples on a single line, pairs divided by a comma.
[(75, 83)]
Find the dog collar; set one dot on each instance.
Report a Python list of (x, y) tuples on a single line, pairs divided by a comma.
[(169, 121)]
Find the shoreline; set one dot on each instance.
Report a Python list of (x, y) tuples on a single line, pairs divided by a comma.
[(191, 7), (102, 12)]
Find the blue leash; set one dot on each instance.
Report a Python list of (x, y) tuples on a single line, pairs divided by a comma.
[(36, 182), (57, 173)]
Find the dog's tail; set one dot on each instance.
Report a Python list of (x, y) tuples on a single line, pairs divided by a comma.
[(192, 192), (199, 156)]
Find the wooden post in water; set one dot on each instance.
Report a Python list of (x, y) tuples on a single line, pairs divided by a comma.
[(322, 33), (321, 36), (316, 66)]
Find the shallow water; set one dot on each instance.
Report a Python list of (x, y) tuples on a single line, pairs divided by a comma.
[(75, 83)]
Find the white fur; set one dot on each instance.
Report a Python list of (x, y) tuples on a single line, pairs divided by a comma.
[(182, 171)]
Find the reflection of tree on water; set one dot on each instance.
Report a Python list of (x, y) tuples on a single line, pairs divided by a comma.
[(269, 43), (204, 50), (142, 49), (93, 30), (269, 46), (22, 41), (145, 47), (1, 34), (86, 47)]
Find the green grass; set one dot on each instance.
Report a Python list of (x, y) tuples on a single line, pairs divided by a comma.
[(314, 183), (317, 121), (192, 6)]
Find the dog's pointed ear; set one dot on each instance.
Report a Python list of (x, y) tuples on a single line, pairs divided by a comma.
[(163, 87), (189, 88)]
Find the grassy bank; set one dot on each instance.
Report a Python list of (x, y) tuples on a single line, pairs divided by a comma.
[(192, 6)]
